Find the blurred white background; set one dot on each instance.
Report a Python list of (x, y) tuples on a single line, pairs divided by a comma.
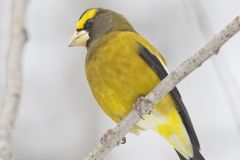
[(59, 118)]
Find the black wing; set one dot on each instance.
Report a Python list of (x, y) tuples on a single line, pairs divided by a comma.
[(157, 66)]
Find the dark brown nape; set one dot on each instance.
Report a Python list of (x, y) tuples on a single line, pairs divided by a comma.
[(107, 21)]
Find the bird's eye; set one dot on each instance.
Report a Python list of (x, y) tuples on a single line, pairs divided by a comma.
[(88, 24)]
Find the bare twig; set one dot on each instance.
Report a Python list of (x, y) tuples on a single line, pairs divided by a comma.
[(13, 90), (210, 49)]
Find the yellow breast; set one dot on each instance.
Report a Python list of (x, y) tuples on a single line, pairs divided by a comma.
[(117, 74)]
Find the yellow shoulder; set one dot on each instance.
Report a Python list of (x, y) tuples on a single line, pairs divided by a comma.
[(140, 39), (114, 40)]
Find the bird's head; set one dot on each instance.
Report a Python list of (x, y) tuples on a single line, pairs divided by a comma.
[(96, 22)]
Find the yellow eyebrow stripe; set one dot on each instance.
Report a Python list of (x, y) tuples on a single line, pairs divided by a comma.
[(89, 14)]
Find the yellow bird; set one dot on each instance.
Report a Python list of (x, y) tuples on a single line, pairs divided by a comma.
[(122, 66)]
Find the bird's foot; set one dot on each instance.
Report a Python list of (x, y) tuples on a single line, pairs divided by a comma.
[(110, 132), (104, 138), (137, 106)]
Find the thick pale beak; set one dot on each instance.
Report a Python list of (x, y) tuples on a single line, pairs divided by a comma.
[(79, 38)]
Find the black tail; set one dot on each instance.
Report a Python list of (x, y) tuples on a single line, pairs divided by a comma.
[(197, 156)]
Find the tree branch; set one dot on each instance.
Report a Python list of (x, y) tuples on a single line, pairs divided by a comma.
[(18, 38), (210, 49)]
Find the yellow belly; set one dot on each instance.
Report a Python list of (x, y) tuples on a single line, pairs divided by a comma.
[(118, 76)]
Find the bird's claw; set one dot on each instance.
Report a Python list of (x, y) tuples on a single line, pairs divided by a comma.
[(110, 132), (137, 106), (106, 135)]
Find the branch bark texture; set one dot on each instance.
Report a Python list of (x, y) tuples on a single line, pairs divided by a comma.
[(13, 91), (148, 102)]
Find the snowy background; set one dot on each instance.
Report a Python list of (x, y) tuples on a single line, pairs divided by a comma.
[(59, 118)]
